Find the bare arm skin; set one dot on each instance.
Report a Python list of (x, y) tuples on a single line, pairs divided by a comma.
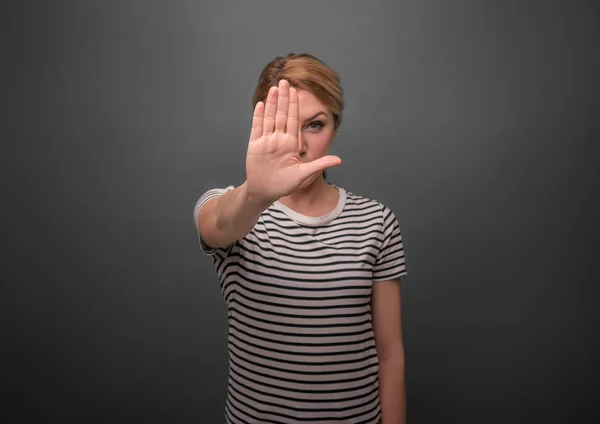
[(387, 327)]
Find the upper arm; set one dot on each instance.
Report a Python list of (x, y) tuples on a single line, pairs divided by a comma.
[(205, 215), (390, 262), (206, 224), (386, 312), (386, 308)]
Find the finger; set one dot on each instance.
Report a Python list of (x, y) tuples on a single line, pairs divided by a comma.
[(293, 113), (318, 165), (257, 121), (270, 107), (283, 100)]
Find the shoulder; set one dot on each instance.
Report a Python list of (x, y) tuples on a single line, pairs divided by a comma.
[(208, 195), (359, 201), (372, 212), (211, 193)]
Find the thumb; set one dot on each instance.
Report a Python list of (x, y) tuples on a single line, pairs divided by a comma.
[(318, 165)]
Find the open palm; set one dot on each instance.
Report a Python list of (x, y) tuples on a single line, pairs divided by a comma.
[(273, 165)]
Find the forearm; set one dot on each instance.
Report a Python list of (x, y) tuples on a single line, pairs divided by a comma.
[(236, 213), (392, 389)]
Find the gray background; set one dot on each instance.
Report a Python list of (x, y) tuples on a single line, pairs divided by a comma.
[(475, 121)]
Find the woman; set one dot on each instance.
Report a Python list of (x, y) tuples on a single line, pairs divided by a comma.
[(310, 272)]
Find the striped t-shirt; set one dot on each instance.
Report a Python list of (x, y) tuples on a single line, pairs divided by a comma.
[(297, 291)]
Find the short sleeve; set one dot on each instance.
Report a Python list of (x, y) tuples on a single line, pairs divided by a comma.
[(210, 194), (390, 261)]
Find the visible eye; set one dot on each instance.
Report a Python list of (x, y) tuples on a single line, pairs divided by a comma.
[(315, 125)]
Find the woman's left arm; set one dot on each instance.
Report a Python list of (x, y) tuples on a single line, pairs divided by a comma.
[(387, 327)]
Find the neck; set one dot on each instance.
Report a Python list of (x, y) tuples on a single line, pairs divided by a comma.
[(307, 197)]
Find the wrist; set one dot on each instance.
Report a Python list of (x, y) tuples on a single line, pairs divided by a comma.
[(256, 203)]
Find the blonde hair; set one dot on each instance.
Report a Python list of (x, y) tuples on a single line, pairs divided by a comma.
[(304, 72)]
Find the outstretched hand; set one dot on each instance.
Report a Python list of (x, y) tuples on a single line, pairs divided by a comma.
[(273, 165)]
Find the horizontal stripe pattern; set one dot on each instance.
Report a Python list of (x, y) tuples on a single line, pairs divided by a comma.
[(297, 289)]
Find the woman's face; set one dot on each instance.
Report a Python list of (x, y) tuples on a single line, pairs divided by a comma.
[(316, 130)]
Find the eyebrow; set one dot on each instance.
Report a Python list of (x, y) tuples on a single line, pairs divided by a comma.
[(315, 115)]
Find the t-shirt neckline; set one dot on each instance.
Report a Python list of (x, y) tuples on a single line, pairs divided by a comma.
[(315, 220)]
